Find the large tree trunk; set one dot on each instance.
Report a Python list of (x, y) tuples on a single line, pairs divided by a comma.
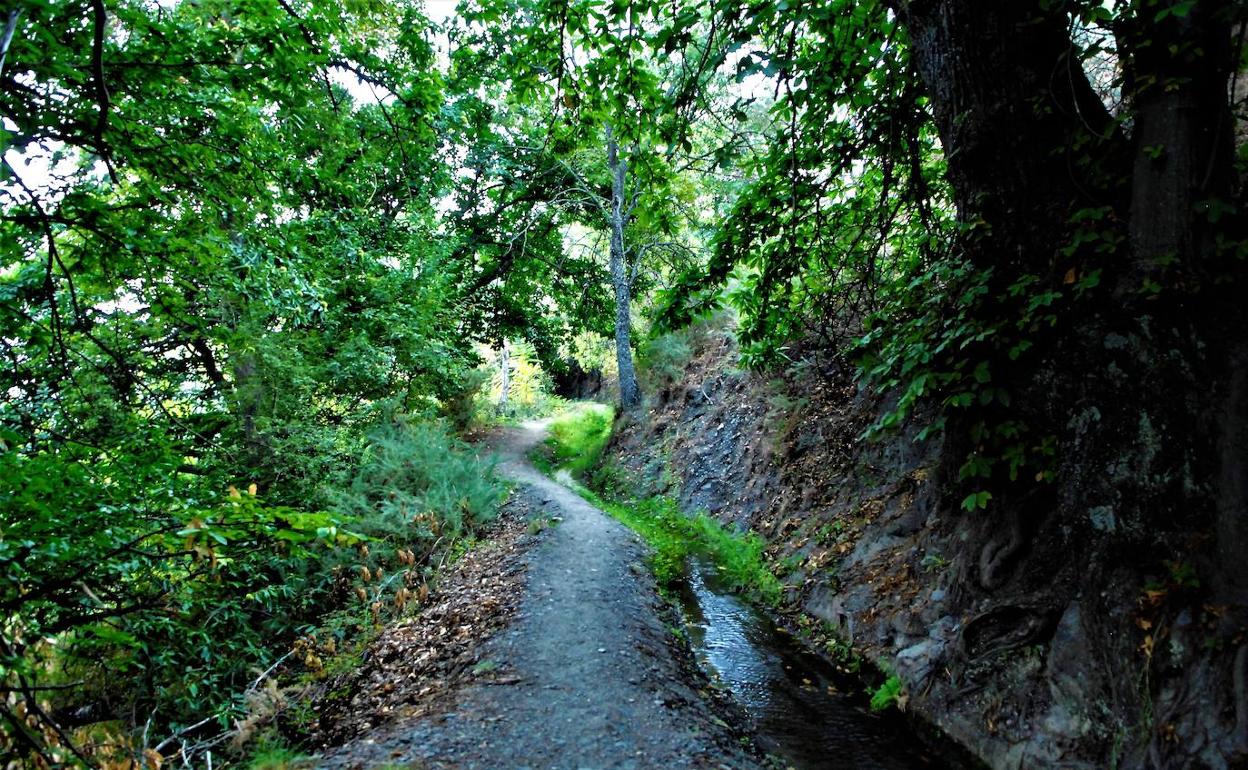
[(1182, 187), (1141, 384), (1029, 144), (1020, 124), (630, 392), (1183, 137)]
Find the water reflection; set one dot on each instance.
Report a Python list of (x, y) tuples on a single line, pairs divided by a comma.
[(799, 714)]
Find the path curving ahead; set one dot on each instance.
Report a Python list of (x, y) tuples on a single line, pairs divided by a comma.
[(595, 682)]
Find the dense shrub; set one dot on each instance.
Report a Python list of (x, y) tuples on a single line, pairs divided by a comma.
[(661, 360), (125, 594), (417, 473), (462, 406)]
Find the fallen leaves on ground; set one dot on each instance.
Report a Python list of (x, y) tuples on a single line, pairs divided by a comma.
[(417, 662)]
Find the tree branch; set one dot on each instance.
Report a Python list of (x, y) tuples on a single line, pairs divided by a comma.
[(10, 27), (101, 88)]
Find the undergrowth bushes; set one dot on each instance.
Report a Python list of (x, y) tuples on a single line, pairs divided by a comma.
[(576, 438), (417, 472), (661, 360), (138, 601), (462, 407)]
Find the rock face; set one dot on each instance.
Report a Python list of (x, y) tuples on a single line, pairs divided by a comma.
[(1032, 640), (576, 383)]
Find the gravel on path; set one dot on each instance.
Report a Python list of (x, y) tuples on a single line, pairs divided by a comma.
[(594, 680)]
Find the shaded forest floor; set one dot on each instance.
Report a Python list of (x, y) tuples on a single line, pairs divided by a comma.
[(552, 650)]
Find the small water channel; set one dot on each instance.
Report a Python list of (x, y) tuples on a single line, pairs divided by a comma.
[(800, 714)]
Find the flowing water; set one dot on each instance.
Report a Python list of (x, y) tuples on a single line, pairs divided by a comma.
[(800, 715)]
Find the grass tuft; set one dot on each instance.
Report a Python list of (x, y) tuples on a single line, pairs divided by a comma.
[(674, 536), (887, 695), (577, 437), (272, 754), (575, 444)]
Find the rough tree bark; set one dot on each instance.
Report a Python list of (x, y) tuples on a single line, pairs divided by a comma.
[(1182, 185), (1018, 119), (1145, 390), (1029, 143), (621, 283), (1183, 134)]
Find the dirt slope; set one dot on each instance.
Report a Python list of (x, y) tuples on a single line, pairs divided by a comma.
[(585, 674), (1032, 641)]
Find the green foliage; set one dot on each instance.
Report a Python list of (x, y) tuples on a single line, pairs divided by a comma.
[(887, 694), (662, 359), (529, 391), (948, 334), (415, 481), (195, 598), (847, 194), (538, 205), (272, 754), (674, 536), (150, 586), (463, 408), (846, 237), (659, 521), (219, 270), (577, 437), (593, 353), (738, 558)]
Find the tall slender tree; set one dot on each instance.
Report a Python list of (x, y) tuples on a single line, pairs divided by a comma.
[(621, 272)]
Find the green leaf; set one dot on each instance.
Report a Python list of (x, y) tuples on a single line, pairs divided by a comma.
[(976, 501)]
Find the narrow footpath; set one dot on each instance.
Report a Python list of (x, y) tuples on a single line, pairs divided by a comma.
[(594, 681)]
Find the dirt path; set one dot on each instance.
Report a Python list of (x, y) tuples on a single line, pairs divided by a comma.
[(593, 682)]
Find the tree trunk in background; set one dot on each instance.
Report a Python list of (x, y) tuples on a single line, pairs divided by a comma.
[(248, 392), (1183, 137), (630, 392), (1182, 186), (504, 372), (7, 36), (248, 397)]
